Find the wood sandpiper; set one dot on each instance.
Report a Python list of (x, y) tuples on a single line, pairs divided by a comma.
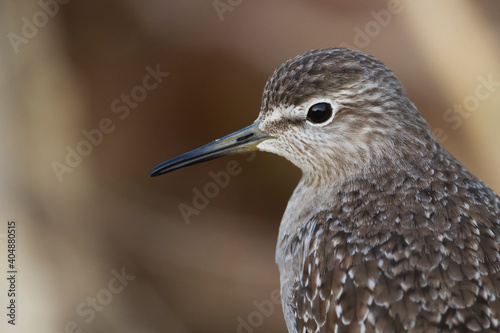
[(386, 231)]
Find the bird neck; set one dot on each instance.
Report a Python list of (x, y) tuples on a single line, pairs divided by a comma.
[(315, 191)]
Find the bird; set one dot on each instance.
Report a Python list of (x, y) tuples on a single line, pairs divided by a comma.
[(386, 231)]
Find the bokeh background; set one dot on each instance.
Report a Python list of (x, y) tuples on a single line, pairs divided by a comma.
[(106, 215)]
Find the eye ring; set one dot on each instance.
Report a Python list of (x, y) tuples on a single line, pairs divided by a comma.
[(320, 113)]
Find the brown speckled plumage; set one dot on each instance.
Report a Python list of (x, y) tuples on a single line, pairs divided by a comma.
[(386, 231), (413, 249)]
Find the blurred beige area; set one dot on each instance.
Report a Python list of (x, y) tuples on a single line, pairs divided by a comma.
[(104, 248)]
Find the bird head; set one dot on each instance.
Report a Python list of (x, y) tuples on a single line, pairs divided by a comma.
[(330, 112)]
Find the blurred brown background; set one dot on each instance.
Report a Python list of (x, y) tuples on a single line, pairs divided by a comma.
[(80, 226)]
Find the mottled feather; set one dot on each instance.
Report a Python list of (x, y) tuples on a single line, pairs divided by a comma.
[(423, 273)]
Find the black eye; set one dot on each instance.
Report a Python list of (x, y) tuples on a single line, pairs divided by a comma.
[(319, 113)]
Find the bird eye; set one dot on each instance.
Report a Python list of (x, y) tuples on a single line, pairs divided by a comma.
[(319, 113)]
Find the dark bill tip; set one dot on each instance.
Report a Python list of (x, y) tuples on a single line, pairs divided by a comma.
[(241, 141)]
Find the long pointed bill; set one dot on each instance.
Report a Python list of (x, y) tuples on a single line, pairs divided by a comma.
[(241, 141)]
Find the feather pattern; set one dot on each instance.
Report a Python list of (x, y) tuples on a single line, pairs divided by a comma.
[(396, 268)]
